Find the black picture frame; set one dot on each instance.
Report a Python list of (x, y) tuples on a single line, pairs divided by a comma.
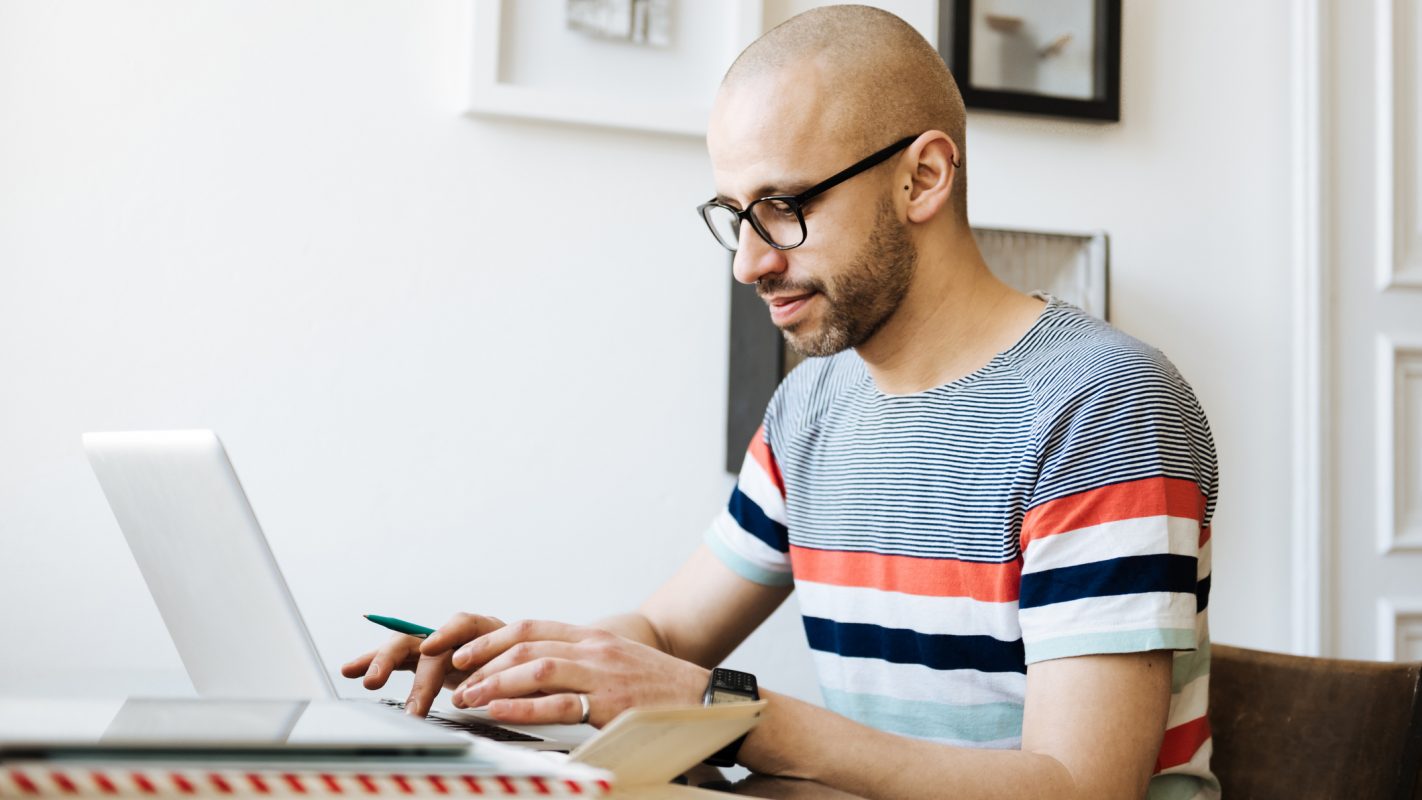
[(758, 360), (956, 47)]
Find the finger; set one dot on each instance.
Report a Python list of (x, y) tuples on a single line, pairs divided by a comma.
[(521, 653), (429, 677), (564, 708), (547, 675), (356, 667), (401, 652), (454, 678), (459, 629), (480, 651)]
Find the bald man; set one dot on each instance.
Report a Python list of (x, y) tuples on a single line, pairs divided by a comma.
[(994, 507)]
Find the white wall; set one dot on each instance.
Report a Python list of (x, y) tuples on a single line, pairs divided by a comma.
[(454, 359)]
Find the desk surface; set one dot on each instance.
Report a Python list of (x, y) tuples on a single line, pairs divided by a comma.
[(97, 683)]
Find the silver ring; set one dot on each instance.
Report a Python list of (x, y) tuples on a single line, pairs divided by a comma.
[(587, 709)]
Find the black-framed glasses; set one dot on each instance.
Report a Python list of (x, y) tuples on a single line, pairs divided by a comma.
[(780, 219)]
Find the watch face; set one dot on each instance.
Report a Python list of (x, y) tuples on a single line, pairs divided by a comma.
[(723, 696)]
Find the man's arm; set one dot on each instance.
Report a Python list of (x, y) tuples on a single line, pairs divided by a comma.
[(533, 671), (1092, 729), (702, 613), (1092, 726)]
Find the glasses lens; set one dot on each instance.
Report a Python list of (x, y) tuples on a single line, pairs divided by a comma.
[(724, 223), (779, 221)]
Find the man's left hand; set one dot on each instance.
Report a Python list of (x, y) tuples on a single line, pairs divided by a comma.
[(532, 672)]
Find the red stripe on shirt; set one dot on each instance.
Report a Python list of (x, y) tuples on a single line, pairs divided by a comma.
[(929, 577), (760, 451), (1182, 742), (1148, 497)]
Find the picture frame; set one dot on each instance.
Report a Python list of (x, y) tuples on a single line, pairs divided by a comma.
[(662, 90), (1060, 59)]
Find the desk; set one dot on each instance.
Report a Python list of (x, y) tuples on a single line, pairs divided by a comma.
[(100, 683)]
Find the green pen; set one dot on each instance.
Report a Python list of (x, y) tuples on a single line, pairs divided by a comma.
[(400, 625)]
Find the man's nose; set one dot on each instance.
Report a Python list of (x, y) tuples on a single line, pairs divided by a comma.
[(754, 258)]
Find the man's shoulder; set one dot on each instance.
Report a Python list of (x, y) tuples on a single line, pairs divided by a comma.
[(1072, 355)]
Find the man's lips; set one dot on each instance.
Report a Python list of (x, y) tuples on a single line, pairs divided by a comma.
[(784, 307)]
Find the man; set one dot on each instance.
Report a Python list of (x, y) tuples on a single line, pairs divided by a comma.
[(995, 508)]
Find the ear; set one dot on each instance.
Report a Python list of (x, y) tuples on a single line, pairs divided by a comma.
[(928, 180)]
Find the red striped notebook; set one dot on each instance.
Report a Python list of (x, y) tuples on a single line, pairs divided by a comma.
[(33, 778)]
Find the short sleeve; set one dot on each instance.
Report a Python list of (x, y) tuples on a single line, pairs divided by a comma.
[(1114, 543), (749, 535)]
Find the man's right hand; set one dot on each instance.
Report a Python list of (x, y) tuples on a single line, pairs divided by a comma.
[(430, 659)]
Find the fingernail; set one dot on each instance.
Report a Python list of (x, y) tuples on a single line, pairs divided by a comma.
[(371, 670), (412, 706), (464, 652)]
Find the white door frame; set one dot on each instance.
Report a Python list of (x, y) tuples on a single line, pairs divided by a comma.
[(1311, 510)]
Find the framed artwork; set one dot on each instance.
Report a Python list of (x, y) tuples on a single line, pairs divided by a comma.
[(1061, 58), (650, 65), (1072, 267)]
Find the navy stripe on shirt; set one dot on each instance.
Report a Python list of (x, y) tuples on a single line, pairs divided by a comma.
[(1116, 576), (754, 521), (902, 646)]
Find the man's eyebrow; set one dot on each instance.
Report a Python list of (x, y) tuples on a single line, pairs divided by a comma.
[(768, 190)]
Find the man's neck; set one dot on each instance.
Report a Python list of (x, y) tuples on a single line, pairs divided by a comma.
[(956, 317)]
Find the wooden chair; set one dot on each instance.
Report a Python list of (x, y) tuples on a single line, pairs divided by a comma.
[(1294, 727)]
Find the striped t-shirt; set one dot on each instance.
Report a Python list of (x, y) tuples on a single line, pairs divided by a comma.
[(1054, 503)]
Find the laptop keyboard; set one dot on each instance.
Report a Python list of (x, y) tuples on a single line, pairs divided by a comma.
[(474, 726)]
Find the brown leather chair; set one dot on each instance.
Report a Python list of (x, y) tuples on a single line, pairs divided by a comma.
[(1294, 727)]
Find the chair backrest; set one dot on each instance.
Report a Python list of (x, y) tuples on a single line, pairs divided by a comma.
[(1297, 727)]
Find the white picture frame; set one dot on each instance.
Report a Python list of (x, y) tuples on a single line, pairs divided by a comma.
[(501, 50)]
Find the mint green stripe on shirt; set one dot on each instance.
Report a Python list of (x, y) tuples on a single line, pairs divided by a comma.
[(1176, 786), (741, 566), (986, 722), (1190, 665), (1086, 644)]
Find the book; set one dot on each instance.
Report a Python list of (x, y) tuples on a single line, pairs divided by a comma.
[(488, 769), (33, 778)]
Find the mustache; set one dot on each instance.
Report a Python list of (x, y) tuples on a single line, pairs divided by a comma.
[(778, 285)]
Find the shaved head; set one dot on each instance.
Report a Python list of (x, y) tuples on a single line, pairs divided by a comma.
[(860, 76)]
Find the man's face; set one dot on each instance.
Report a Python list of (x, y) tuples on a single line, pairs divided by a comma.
[(857, 262), (849, 301)]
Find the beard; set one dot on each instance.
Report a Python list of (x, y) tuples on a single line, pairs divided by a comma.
[(861, 298)]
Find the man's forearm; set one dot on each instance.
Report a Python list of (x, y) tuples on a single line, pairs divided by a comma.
[(800, 740)]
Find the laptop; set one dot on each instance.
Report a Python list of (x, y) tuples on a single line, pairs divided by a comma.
[(218, 587), (233, 726)]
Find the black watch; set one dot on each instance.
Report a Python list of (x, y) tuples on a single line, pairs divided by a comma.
[(729, 686)]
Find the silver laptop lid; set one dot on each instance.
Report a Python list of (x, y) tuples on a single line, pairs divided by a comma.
[(207, 564)]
